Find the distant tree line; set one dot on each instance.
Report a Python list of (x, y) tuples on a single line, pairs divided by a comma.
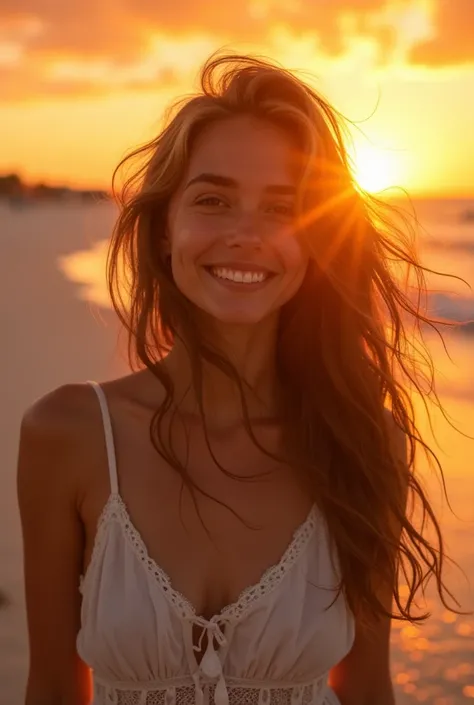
[(14, 189)]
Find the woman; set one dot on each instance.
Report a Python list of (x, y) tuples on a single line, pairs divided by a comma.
[(267, 425)]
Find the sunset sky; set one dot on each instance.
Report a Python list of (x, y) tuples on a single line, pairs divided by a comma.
[(83, 81)]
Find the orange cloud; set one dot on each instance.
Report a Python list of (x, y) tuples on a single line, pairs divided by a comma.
[(256, 16), (52, 48), (86, 47), (87, 27), (454, 39), (78, 29)]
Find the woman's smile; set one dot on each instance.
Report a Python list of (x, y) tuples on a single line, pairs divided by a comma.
[(240, 278)]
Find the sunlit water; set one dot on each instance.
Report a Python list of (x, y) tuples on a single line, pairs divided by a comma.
[(434, 661)]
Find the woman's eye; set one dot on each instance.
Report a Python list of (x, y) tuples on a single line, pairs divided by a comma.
[(210, 201), (283, 209)]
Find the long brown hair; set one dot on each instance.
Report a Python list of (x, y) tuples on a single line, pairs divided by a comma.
[(344, 351)]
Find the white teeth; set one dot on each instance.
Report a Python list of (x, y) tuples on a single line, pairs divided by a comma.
[(239, 276)]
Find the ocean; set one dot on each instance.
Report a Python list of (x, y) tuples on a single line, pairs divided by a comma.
[(57, 327)]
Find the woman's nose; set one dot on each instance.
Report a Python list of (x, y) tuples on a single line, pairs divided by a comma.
[(246, 231)]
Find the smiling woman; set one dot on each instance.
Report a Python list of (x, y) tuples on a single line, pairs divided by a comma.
[(235, 510)]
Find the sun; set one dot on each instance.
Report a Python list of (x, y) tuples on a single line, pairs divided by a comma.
[(375, 169)]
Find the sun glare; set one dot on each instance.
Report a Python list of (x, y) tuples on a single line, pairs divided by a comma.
[(375, 169)]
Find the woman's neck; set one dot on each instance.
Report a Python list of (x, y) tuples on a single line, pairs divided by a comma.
[(252, 353)]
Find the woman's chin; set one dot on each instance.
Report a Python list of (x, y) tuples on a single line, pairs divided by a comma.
[(239, 317)]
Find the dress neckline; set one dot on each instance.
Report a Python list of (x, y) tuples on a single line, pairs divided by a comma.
[(116, 509)]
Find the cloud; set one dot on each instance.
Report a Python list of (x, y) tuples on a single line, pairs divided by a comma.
[(133, 39), (23, 85), (90, 28), (255, 17), (82, 28), (20, 85), (113, 44), (453, 40)]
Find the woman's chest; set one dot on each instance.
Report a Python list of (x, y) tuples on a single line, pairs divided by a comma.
[(218, 522)]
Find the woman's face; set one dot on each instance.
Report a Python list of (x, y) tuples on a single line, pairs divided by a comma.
[(231, 224)]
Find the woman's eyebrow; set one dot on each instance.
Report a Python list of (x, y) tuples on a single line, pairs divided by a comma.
[(228, 182)]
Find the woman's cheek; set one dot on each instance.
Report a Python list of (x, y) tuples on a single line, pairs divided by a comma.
[(189, 242), (291, 251)]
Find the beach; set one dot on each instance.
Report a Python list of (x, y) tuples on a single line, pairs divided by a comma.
[(51, 337), (57, 328)]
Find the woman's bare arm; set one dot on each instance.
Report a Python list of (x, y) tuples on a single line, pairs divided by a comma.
[(50, 455)]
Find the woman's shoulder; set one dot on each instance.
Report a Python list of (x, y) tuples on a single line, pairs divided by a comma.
[(60, 435), (71, 410), (61, 412)]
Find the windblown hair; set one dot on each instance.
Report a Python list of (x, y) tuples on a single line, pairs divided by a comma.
[(350, 342)]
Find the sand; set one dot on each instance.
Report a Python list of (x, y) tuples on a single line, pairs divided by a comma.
[(49, 337)]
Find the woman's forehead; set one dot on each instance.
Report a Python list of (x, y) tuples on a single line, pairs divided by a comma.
[(245, 149)]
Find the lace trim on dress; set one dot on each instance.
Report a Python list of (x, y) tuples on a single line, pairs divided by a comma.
[(115, 509), (307, 694)]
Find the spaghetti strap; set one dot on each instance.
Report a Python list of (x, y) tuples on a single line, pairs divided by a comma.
[(109, 436)]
